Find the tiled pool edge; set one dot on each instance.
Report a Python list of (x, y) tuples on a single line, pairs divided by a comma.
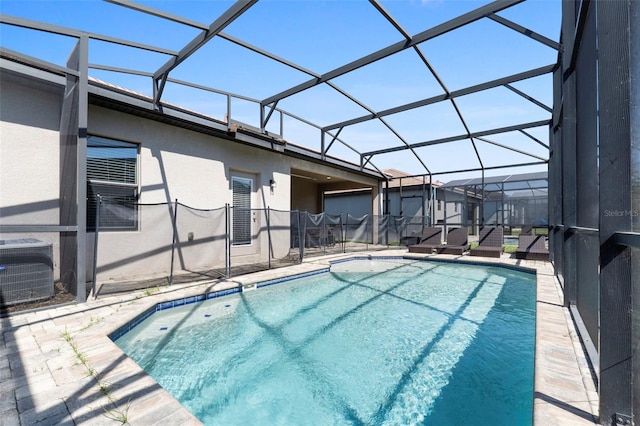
[(542, 401), (50, 386), (478, 262), (161, 306), (569, 396)]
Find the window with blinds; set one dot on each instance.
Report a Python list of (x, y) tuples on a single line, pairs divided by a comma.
[(112, 173), (241, 227)]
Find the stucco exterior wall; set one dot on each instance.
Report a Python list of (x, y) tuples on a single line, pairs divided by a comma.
[(190, 166), (195, 169), (173, 164), (304, 196), (29, 156), (307, 195)]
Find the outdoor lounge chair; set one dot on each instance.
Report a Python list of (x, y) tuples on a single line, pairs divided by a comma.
[(457, 242), (429, 240), (490, 242), (532, 247), (526, 230)]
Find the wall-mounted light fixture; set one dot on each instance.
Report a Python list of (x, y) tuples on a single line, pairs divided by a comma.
[(273, 184)]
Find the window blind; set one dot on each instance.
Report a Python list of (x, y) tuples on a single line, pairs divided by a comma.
[(112, 172), (241, 188)]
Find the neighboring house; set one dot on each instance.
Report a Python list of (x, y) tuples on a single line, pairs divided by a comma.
[(510, 200), (130, 151), (414, 197), (408, 195), (455, 208)]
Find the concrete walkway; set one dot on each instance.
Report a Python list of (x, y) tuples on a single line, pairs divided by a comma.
[(57, 365)]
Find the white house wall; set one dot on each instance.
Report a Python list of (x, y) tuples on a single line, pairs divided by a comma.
[(174, 163), (305, 196), (195, 169), (29, 156)]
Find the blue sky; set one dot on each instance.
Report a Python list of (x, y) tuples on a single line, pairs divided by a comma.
[(321, 36)]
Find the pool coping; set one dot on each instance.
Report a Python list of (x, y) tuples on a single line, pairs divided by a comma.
[(42, 370), (175, 303)]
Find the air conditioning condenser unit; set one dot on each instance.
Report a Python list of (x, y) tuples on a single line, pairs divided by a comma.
[(26, 270)]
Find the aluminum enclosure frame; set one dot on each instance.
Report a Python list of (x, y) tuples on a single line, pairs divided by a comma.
[(268, 105), (73, 213), (594, 197), (594, 171)]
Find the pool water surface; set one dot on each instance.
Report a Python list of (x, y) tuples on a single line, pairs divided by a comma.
[(371, 342)]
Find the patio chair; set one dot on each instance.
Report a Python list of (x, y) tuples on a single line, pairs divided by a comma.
[(490, 242), (457, 242), (429, 240), (532, 247), (319, 236)]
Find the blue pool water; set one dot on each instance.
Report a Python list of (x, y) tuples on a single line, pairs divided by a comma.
[(372, 342)]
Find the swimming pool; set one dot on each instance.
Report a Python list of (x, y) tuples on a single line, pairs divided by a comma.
[(372, 342)]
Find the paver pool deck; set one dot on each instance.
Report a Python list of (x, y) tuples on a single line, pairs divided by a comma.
[(58, 365)]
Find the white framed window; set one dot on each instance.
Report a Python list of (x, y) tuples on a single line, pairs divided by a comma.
[(112, 173), (242, 189)]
